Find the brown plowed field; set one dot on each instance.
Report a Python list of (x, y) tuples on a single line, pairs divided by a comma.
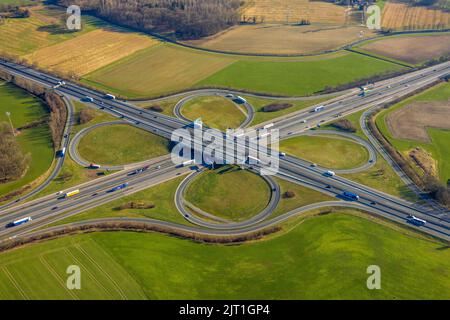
[(411, 122), (411, 49)]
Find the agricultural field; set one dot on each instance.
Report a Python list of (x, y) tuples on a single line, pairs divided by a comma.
[(288, 263), (283, 39), (431, 107), (411, 49), (399, 16), (158, 70), (91, 51), (301, 77), (216, 112), (292, 11), (42, 29), (327, 151), (36, 141), (229, 192), (24, 273), (121, 144)]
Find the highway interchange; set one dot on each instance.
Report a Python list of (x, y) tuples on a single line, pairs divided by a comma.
[(49, 209)]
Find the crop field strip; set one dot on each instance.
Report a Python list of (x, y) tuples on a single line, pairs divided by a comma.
[(41, 29), (157, 70), (294, 11), (90, 51), (400, 16), (413, 49), (283, 39), (20, 277)]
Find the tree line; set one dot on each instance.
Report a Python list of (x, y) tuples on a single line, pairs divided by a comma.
[(184, 19), (13, 162)]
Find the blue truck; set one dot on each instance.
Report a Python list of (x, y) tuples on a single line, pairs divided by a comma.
[(119, 187), (351, 195), (19, 222)]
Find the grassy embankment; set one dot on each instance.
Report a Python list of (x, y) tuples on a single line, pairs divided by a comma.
[(229, 192), (216, 112), (329, 151), (36, 141), (121, 144)]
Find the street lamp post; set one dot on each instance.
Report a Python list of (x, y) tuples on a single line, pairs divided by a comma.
[(8, 114)]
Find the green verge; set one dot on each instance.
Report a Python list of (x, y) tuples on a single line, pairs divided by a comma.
[(37, 141), (261, 116), (297, 78), (161, 195), (327, 151), (216, 112), (229, 192), (439, 147), (121, 144), (166, 105), (302, 197), (324, 257)]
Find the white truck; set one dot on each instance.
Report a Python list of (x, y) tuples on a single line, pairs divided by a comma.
[(319, 108)]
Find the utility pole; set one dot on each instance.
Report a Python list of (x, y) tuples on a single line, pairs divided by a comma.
[(8, 114)]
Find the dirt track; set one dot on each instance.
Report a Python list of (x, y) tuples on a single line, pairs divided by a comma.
[(411, 122)]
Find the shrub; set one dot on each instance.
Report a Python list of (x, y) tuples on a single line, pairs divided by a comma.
[(156, 108), (86, 115), (276, 107), (345, 125), (289, 194)]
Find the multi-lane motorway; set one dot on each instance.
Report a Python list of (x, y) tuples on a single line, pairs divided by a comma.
[(49, 208)]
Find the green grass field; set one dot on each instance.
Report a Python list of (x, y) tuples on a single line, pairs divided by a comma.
[(24, 273), (328, 151), (216, 112), (155, 71), (166, 68), (229, 193), (324, 257), (439, 148), (36, 141), (121, 144), (297, 78)]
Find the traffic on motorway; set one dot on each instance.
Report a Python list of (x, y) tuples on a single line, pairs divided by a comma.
[(48, 209)]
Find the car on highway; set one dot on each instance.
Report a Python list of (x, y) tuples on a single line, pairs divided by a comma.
[(313, 165)]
